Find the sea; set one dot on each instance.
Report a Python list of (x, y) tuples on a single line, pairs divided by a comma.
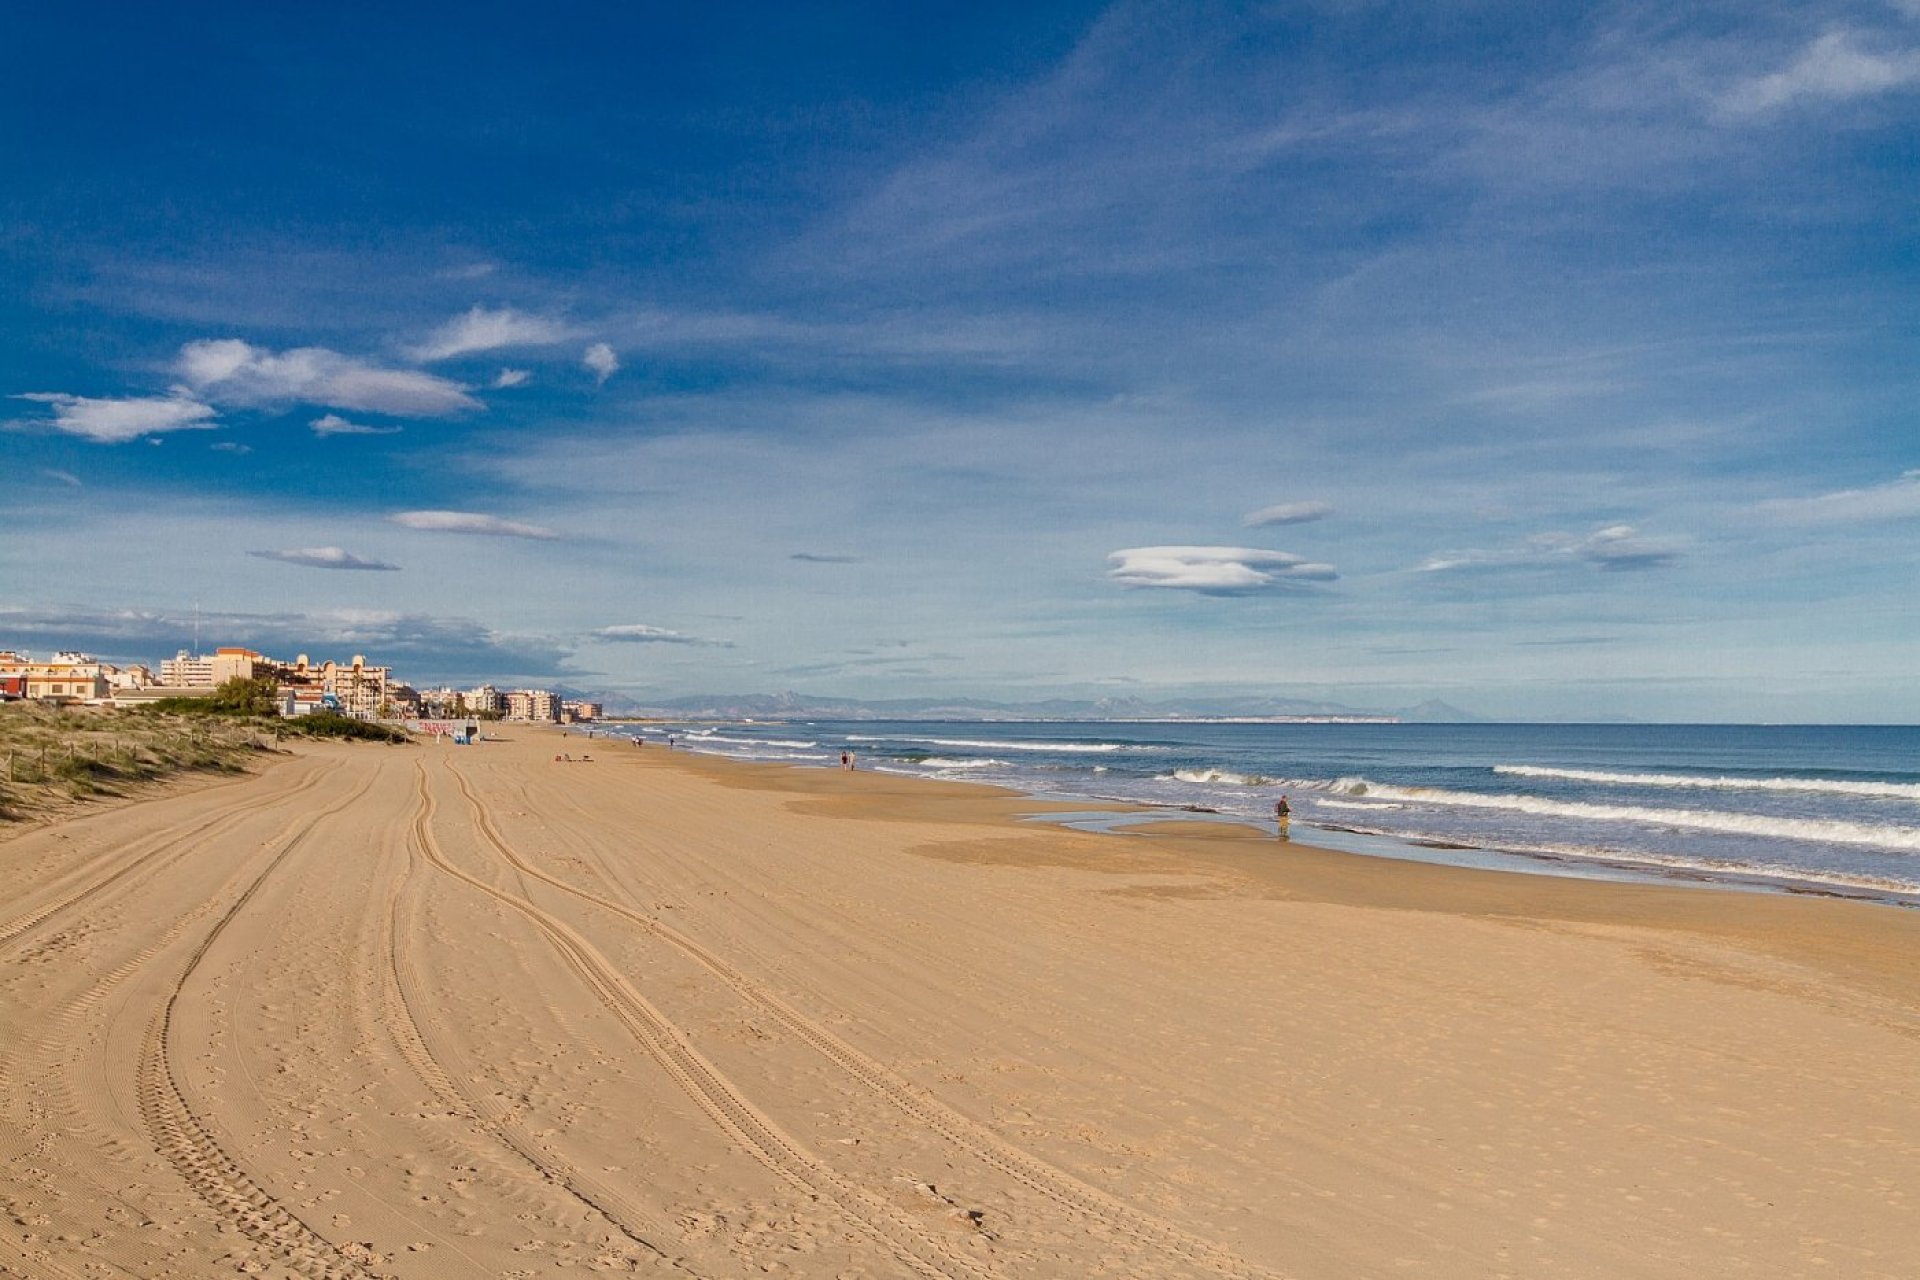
[(1797, 808)]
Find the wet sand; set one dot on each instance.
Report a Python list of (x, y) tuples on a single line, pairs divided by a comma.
[(448, 1012)]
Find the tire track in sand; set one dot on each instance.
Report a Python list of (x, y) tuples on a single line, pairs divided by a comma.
[(750, 1129), (411, 1036), (185, 1142), (154, 858), (1037, 1176)]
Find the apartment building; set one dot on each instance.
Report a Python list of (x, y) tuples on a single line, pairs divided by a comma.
[(67, 676), (541, 705)]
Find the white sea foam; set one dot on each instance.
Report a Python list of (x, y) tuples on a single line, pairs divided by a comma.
[(936, 762), (1814, 829), (1227, 776), (756, 742), (988, 745), (1699, 782)]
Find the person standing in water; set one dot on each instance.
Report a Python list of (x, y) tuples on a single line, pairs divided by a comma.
[(1282, 815)]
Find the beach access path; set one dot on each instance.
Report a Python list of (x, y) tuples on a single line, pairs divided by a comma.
[(434, 1011)]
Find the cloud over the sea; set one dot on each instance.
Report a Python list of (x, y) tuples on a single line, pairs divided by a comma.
[(642, 633), (482, 329), (333, 424), (1287, 513), (228, 370), (1214, 571), (322, 558), (116, 421), (470, 522), (1614, 548), (1896, 500), (601, 360)]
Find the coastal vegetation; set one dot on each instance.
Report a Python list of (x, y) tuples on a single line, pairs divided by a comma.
[(256, 701), (52, 756)]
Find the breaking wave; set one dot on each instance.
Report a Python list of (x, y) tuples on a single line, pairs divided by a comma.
[(1227, 776), (1700, 782), (1833, 831)]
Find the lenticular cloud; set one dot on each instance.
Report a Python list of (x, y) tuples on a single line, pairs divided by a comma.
[(1222, 571)]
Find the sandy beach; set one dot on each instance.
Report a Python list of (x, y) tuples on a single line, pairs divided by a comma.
[(449, 1012)]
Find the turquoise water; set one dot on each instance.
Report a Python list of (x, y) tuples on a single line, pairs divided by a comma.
[(1826, 807)]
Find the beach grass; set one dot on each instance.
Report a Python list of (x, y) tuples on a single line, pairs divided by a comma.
[(53, 756)]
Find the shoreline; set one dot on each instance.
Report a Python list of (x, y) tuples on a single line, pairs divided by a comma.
[(1352, 878), (1604, 866), (473, 1010)]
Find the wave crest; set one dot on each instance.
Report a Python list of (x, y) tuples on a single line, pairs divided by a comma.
[(1702, 782)]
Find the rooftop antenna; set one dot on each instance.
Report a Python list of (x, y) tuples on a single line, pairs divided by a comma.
[(196, 628)]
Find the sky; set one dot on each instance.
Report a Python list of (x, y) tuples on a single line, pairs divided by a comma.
[(1557, 361)]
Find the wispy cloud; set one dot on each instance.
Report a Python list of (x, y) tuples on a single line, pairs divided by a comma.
[(470, 522), (67, 478), (334, 425), (1895, 500), (641, 633), (231, 370), (1617, 548), (231, 446), (426, 647), (1287, 513), (116, 421), (808, 557), (1215, 571), (483, 329), (322, 558), (508, 378), (1835, 66), (601, 360)]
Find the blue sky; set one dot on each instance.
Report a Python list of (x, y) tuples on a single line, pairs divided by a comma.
[(1556, 361)]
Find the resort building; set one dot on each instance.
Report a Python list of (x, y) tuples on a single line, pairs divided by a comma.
[(541, 705), (578, 712), (359, 689), (187, 671), (66, 677)]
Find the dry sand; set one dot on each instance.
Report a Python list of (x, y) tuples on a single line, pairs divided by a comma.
[(446, 1012)]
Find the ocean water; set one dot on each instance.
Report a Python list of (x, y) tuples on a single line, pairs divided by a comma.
[(1830, 808)]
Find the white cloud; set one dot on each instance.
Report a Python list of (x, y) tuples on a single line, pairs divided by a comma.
[(511, 378), (116, 421), (228, 369), (322, 558), (1213, 570), (1832, 67), (334, 425), (641, 633), (1895, 500), (489, 330), (601, 360), (231, 446), (1288, 513), (1615, 548), (67, 478), (469, 522)]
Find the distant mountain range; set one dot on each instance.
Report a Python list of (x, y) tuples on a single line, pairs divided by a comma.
[(795, 706)]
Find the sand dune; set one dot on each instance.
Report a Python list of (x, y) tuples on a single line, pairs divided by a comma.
[(439, 1012)]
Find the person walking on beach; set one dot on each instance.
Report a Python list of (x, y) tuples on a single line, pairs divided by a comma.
[(1282, 815), (846, 760)]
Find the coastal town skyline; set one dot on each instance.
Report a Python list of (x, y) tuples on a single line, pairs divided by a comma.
[(1547, 361)]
